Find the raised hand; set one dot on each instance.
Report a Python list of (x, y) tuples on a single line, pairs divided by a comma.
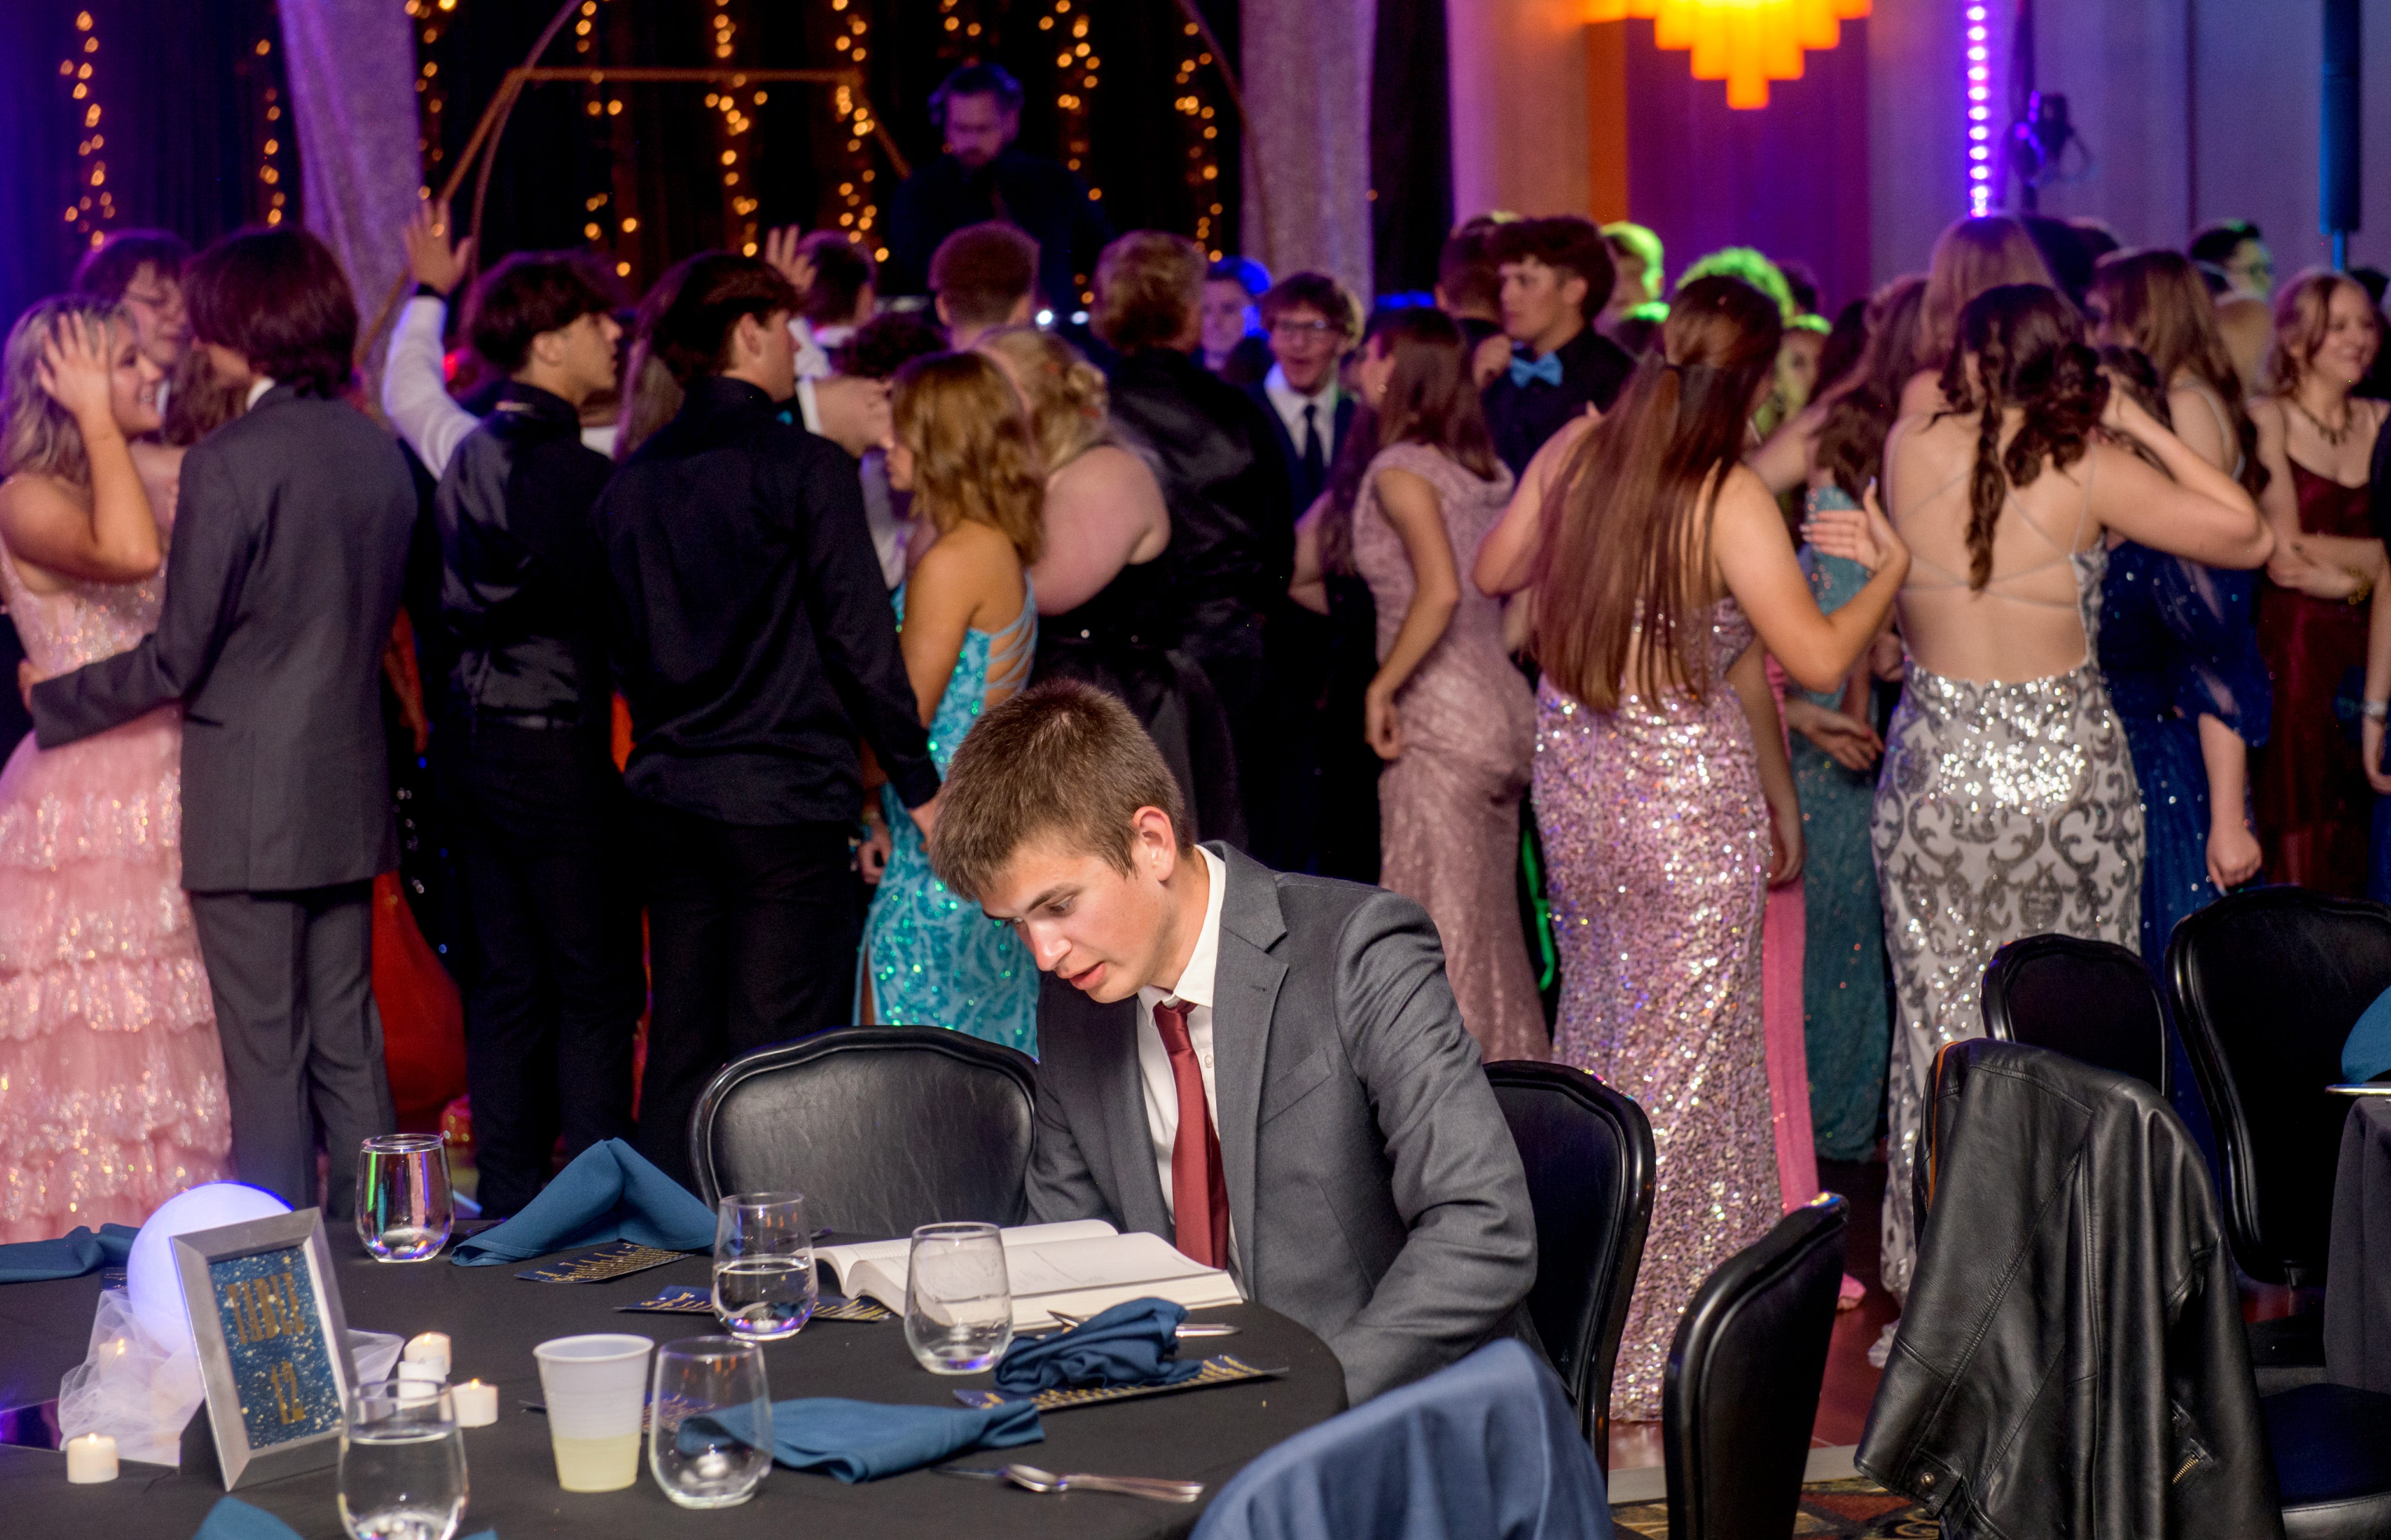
[(434, 260), (74, 370), (781, 252)]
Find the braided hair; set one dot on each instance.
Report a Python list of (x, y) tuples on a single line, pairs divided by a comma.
[(2028, 346)]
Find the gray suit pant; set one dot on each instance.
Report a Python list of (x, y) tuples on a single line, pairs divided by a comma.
[(293, 978)]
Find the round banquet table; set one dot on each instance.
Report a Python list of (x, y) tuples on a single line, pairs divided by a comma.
[(494, 1318)]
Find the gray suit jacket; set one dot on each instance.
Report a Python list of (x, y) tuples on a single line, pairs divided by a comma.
[(1374, 1190), (290, 536)]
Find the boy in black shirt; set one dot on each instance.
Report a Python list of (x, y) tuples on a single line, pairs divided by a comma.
[(1556, 277)]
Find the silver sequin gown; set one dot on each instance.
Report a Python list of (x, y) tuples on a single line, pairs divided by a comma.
[(2003, 810), (1656, 855)]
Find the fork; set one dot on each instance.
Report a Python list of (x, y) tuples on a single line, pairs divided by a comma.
[(1031, 1478)]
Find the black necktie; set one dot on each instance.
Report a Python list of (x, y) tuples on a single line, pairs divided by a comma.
[(1315, 460)]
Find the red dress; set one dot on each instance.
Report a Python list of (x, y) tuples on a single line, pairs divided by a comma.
[(2313, 803)]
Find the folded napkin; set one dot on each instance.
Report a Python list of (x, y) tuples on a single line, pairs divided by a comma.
[(233, 1519), (70, 1256), (1130, 1345), (610, 1192), (863, 1441), (2366, 1056)]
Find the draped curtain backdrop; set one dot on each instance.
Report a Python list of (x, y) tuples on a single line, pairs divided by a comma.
[(352, 68), (1307, 67)]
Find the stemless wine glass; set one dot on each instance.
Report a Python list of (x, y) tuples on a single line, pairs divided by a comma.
[(402, 1463), (764, 1283), (957, 1299), (710, 1430), (405, 1207)]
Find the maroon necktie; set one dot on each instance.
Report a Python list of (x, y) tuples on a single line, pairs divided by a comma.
[(1199, 1198)]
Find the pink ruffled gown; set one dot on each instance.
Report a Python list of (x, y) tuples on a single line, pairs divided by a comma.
[(111, 1078)]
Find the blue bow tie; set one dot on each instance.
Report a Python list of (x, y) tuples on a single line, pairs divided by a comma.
[(1547, 368)]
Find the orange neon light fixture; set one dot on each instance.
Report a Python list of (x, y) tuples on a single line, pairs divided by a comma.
[(1744, 43)]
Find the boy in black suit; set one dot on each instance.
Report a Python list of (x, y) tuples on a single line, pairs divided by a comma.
[(1556, 277)]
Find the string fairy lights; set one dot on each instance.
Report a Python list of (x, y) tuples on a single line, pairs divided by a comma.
[(95, 206), (731, 127), (272, 162), (1076, 66), (858, 213), (1199, 117), (432, 14)]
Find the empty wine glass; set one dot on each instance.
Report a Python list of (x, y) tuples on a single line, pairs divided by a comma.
[(958, 1297), (764, 1283), (402, 1472), (710, 1429), (405, 1205)]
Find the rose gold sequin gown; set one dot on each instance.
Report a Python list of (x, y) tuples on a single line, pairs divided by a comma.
[(1656, 853), (1449, 808), (112, 1079)]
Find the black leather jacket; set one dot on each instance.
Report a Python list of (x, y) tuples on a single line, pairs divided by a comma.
[(2071, 1359), (518, 582)]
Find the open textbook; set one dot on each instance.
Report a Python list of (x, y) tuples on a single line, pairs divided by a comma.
[(1078, 1267)]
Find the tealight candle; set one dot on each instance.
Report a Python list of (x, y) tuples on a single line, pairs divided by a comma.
[(91, 1458), (476, 1404), (430, 1347)]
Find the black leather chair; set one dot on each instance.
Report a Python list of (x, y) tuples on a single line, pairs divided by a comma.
[(882, 1128), (1741, 1390), (1588, 1151), (2092, 1001), (2267, 986)]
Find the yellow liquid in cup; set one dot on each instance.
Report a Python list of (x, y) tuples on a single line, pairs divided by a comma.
[(597, 1465)]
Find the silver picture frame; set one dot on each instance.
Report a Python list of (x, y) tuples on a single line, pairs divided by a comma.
[(278, 1382)]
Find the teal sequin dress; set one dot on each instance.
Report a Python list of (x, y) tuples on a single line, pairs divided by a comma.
[(1847, 1025), (932, 958)]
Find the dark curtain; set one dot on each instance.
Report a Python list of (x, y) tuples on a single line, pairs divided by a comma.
[(1411, 145)]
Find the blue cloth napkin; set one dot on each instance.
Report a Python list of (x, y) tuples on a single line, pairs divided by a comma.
[(610, 1192), (863, 1441), (70, 1256), (2366, 1055), (1130, 1345), (233, 1519)]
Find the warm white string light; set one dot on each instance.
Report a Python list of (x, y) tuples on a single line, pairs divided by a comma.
[(95, 205), (1204, 134)]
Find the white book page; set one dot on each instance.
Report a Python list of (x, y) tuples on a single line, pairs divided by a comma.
[(1063, 1266), (839, 1258)]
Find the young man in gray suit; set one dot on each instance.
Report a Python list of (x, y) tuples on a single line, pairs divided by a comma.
[(282, 585), (1351, 1168)]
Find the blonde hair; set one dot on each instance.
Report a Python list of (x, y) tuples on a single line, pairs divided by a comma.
[(1970, 256), (2303, 314), (1064, 393), (1149, 288), (38, 437), (972, 454)]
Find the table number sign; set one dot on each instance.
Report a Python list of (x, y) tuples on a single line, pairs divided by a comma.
[(273, 1343)]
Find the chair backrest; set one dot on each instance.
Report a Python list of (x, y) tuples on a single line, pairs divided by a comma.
[(2267, 986), (1741, 1390), (1588, 1152), (882, 1128), (2092, 1001)]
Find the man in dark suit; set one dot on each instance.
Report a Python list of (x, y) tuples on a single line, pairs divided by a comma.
[(290, 545), (984, 176), (1557, 277), (1267, 1071), (1311, 323)]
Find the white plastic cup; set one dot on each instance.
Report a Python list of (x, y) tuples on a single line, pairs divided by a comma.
[(595, 1387)]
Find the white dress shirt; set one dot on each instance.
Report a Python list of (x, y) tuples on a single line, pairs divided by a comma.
[(1289, 403), (415, 391), (257, 389), (1153, 1060)]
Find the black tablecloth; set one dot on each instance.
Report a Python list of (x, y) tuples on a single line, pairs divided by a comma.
[(495, 1318)]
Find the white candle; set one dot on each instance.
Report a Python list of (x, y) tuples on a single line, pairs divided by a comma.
[(476, 1404), (91, 1458), (430, 1347)]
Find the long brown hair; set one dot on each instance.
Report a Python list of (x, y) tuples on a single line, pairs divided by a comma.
[(2158, 304), (974, 456), (1970, 256), (2030, 351), (1432, 398), (1627, 543), (2303, 315), (1851, 440)]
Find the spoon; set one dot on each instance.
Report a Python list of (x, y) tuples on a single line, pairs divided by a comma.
[(1035, 1479)]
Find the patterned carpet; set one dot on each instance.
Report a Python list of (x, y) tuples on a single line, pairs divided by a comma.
[(1859, 1508)]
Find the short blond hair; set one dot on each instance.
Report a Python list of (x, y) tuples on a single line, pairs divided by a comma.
[(972, 455), (1149, 290), (1066, 393), (1061, 759)]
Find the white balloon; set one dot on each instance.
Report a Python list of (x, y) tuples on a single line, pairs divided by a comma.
[(149, 1276)]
